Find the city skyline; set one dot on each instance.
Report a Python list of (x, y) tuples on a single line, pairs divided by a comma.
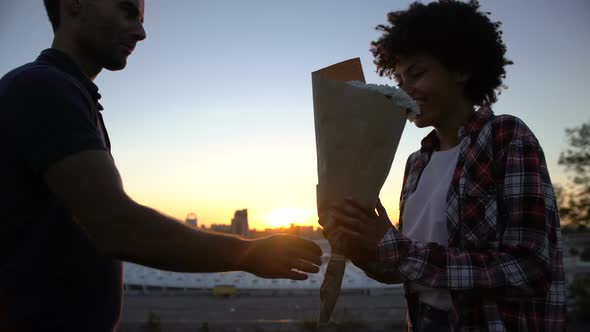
[(239, 225), (214, 110)]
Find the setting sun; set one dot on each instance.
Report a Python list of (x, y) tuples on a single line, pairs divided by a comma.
[(285, 217)]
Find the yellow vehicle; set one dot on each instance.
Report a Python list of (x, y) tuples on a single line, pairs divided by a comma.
[(224, 290)]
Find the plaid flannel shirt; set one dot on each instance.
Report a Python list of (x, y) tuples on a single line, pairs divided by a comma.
[(503, 264)]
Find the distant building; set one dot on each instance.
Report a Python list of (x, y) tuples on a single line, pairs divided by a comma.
[(191, 220), (239, 224), (222, 228), (304, 231)]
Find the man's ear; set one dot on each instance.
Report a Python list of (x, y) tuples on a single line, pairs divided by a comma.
[(73, 7)]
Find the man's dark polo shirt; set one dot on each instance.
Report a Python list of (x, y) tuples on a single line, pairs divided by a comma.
[(51, 276)]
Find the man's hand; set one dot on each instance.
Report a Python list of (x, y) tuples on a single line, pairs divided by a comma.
[(281, 256), (122, 229), (357, 230)]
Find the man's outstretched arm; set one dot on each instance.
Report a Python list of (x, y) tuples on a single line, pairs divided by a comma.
[(90, 186)]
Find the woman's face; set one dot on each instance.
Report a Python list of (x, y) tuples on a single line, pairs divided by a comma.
[(437, 90)]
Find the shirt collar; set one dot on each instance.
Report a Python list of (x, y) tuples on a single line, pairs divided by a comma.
[(475, 123), (65, 63)]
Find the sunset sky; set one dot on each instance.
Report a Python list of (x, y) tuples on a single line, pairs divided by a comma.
[(214, 110)]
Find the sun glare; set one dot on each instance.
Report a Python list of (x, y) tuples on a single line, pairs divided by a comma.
[(285, 217)]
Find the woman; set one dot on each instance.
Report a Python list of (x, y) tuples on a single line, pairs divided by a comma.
[(478, 244)]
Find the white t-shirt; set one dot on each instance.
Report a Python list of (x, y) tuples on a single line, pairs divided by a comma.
[(425, 216)]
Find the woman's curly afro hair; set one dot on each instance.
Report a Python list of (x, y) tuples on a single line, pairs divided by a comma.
[(455, 33)]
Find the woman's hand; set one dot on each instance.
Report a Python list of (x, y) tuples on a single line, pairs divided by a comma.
[(357, 230)]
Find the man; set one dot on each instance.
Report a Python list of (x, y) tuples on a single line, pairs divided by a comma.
[(66, 219)]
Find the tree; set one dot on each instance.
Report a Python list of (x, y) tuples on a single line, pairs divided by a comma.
[(585, 255), (579, 291), (574, 205)]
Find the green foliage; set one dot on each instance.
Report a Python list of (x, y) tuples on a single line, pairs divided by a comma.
[(341, 321), (574, 203), (345, 321), (579, 292), (204, 327), (310, 324), (153, 323)]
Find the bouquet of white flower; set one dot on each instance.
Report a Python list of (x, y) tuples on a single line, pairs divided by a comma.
[(358, 127)]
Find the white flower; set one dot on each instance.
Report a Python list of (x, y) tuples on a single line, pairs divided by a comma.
[(398, 96)]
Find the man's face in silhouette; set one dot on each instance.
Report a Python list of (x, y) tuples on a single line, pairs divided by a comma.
[(107, 31)]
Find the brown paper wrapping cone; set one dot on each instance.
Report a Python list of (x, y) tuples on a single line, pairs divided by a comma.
[(357, 133)]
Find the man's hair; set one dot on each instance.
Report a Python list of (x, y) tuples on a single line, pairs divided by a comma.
[(52, 8), (455, 33)]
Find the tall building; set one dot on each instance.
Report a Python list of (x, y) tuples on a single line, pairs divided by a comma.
[(191, 220), (239, 224)]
